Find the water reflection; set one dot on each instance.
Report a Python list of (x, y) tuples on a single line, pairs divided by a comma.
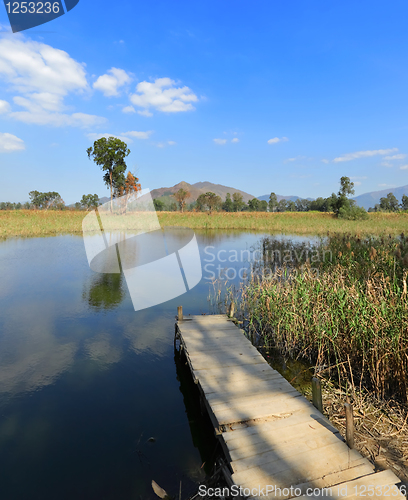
[(83, 376), (104, 291)]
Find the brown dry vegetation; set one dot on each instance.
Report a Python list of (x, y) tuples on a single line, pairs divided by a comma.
[(41, 223)]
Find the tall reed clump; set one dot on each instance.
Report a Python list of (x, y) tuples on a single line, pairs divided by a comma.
[(347, 313)]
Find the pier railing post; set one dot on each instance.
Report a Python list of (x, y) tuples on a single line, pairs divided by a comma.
[(317, 394), (180, 313), (231, 310), (349, 425)]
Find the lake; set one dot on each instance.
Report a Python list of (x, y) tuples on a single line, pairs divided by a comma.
[(93, 405)]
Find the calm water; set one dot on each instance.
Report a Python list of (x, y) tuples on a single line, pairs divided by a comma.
[(92, 403)]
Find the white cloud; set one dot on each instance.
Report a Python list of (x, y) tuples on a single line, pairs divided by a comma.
[(296, 158), (220, 141), (128, 109), (145, 112), (138, 135), (43, 76), (387, 185), (36, 67), (325, 161), (4, 107), (404, 167), (162, 95), (109, 84), (235, 140), (275, 140), (386, 164), (357, 183), (395, 157), (94, 136), (362, 177), (364, 154), (164, 144), (10, 143)]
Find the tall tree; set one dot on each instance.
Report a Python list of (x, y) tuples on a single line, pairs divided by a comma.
[(181, 197), (44, 201), (110, 155), (89, 201), (404, 202), (389, 203), (131, 185), (238, 202), (273, 202), (253, 205), (209, 201), (228, 206)]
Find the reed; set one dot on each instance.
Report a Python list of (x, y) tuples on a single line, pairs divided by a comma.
[(348, 316)]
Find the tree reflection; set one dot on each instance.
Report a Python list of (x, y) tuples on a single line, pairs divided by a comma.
[(105, 291)]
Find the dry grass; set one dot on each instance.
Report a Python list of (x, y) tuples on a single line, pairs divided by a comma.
[(41, 223)]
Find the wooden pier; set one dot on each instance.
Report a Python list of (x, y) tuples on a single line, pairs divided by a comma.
[(273, 438)]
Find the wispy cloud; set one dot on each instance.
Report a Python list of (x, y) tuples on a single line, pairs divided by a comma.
[(138, 135), (94, 136), (164, 144), (221, 142), (110, 82), (364, 154), (235, 140), (386, 164), (359, 177), (395, 157), (404, 167), (4, 107), (387, 185), (275, 140), (325, 160), (10, 143), (296, 158), (128, 109), (163, 95)]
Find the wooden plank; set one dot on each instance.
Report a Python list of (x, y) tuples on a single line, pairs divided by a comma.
[(230, 373), (225, 400), (358, 488), (215, 351), (208, 364), (286, 440), (278, 426), (237, 389), (221, 343), (300, 468), (287, 448), (302, 431), (238, 413)]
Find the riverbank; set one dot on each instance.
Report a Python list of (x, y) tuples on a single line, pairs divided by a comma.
[(28, 223)]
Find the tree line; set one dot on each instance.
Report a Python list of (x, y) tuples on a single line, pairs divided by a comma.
[(338, 203)]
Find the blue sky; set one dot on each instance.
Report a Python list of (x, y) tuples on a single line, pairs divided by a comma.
[(262, 96)]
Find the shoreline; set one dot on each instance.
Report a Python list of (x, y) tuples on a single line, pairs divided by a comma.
[(27, 223)]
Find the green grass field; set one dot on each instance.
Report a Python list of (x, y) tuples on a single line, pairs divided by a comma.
[(41, 223)]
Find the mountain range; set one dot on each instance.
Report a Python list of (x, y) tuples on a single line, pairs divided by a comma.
[(365, 200)]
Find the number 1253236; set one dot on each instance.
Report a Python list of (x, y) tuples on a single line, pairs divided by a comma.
[(33, 7)]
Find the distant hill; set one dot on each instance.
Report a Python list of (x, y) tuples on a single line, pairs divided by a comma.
[(368, 200), (196, 189)]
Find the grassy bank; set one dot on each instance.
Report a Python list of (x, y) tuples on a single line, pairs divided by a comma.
[(38, 223), (348, 314)]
